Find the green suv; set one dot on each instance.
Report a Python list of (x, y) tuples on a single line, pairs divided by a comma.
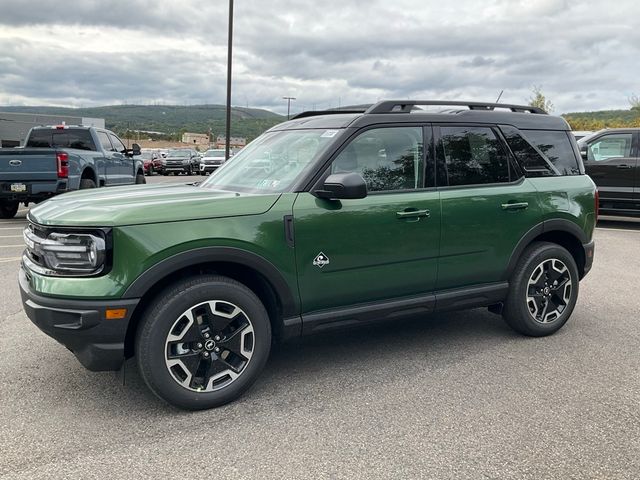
[(330, 220)]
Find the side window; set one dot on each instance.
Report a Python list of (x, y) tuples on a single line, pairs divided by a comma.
[(557, 148), (615, 145), (473, 155), (104, 141), (117, 144), (532, 160), (387, 158)]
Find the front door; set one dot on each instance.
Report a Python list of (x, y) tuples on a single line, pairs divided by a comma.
[(381, 247), (612, 164), (125, 162)]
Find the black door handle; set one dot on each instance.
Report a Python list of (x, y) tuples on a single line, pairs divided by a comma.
[(624, 166)]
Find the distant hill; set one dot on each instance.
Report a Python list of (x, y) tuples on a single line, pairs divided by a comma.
[(172, 120), (603, 119)]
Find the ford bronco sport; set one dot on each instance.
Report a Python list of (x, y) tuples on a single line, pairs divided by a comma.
[(331, 219)]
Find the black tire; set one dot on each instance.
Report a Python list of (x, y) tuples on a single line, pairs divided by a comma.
[(87, 183), (140, 179), (189, 172), (8, 209), (150, 171), (163, 316), (165, 173), (524, 309)]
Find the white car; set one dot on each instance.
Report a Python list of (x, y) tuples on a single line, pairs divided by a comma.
[(211, 160)]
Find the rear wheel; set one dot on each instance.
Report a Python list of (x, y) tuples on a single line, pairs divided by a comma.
[(203, 342), (543, 290), (87, 183), (8, 209)]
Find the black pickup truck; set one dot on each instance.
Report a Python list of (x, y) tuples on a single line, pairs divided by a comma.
[(63, 158)]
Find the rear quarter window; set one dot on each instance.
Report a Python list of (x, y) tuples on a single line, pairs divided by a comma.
[(557, 148)]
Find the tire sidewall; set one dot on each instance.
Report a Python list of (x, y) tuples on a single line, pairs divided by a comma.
[(150, 344), (517, 303)]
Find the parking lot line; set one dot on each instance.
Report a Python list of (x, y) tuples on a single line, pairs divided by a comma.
[(10, 228), (12, 246), (10, 236), (618, 229), (9, 259)]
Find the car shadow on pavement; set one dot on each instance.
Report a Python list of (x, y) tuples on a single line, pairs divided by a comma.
[(619, 223)]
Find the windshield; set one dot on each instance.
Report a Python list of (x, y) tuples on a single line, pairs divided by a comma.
[(214, 153), (273, 162), (178, 153)]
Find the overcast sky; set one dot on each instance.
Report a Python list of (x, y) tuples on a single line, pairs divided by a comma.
[(583, 55)]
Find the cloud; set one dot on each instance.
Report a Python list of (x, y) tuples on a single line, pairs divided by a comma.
[(324, 53)]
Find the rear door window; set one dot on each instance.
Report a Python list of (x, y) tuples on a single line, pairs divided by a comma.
[(105, 142), (473, 156)]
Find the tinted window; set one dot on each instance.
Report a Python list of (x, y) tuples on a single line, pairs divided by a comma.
[(387, 158), (614, 145), (67, 138), (104, 141), (557, 148), (473, 155), (117, 144), (532, 160)]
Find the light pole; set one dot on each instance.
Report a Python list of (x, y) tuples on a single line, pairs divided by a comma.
[(229, 43), (288, 99)]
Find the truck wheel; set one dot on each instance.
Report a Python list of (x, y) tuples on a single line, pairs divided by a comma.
[(203, 342), (87, 183), (9, 209), (151, 170), (140, 179), (543, 290)]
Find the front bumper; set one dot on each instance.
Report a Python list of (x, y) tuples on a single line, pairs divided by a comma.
[(80, 325), (589, 250), (209, 167)]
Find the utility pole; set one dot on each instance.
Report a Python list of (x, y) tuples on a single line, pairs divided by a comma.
[(288, 99), (229, 44)]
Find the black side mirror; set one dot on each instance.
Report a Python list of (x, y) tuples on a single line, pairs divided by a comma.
[(343, 186), (583, 152), (135, 149)]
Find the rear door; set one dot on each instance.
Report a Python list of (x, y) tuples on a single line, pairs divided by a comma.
[(377, 248), (125, 162), (612, 164), (112, 162), (487, 205)]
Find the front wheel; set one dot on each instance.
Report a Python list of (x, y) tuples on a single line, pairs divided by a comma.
[(140, 179), (543, 290), (203, 342), (9, 209)]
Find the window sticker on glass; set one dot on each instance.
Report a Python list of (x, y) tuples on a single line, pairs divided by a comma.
[(329, 133)]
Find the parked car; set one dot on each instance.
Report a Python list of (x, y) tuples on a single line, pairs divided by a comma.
[(578, 134), (211, 160), (152, 162), (61, 159), (181, 161), (325, 221), (611, 159)]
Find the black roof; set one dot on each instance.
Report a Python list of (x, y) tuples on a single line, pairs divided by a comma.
[(409, 111)]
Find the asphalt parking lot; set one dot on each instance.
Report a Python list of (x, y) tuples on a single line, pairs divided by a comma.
[(455, 396)]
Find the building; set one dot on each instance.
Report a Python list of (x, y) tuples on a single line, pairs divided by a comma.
[(15, 126), (236, 142), (195, 138)]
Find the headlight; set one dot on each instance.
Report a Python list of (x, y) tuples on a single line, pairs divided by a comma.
[(62, 253)]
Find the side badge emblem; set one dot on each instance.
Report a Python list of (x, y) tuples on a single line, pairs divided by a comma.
[(321, 260)]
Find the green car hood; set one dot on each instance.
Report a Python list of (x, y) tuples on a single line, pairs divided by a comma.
[(134, 205)]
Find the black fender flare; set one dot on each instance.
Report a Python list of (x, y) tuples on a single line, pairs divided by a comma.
[(190, 258), (554, 225)]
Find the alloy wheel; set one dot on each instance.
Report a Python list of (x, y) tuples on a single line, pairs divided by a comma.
[(549, 290), (209, 346)]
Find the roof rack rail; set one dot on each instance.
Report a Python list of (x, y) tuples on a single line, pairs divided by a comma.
[(405, 106), (313, 113)]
